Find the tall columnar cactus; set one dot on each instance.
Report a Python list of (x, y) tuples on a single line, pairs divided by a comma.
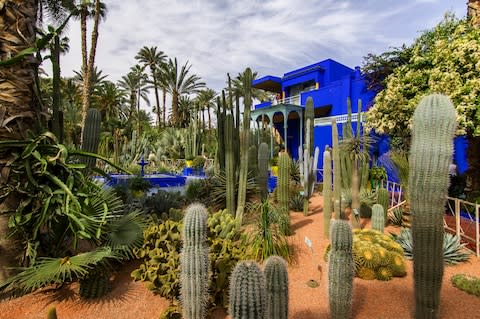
[(327, 191), (308, 166), (337, 178), (194, 263), (434, 124), (309, 120), (229, 164), (220, 153), (383, 198), (244, 143), (378, 217), (262, 178), (253, 160), (276, 283), (247, 291), (91, 135), (52, 313), (341, 270), (283, 181)]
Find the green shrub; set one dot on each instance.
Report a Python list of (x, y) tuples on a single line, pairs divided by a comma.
[(296, 203), (197, 190), (454, 252), (198, 162), (160, 255), (138, 183), (467, 283), (162, 201)]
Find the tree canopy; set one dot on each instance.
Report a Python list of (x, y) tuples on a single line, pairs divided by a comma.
[(443, 60)]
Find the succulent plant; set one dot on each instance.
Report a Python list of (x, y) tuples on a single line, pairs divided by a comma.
[(276, 283), (467, 283)]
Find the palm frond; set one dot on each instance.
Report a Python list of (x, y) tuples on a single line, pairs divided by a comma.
[(48, 271)]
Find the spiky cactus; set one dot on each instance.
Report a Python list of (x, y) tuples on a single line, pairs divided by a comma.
[(220, 152), (247, 291), (383, 198), (229, 164), (327, 191), (337, 178), (434, 124), (91, 135), (262, 178), (283, 181), (194, 263), (96, 285), (253, 161), (276, 283), (244, 143), (309, 120), (378, 217), (308, 163), (52, 313), (341, 270)]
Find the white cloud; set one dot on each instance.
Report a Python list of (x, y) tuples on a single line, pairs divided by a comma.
[(272, 36)]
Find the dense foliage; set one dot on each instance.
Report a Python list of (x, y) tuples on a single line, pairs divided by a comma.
[(444, 60)]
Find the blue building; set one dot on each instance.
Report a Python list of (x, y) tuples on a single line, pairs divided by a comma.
[(329, 83)]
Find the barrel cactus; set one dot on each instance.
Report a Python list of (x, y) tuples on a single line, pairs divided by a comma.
[(247, 291), (276, 283)]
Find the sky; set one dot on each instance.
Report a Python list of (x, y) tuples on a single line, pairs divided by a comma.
[(270, 36)]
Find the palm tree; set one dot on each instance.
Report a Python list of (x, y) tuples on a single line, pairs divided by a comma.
[(109, 100), (97, 78), (239, 87), (135, 85), (153, 59), (179, 82), (185, 108), (99, 12), (206, 100)]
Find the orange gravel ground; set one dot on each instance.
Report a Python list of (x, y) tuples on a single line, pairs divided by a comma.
[(372, 299)]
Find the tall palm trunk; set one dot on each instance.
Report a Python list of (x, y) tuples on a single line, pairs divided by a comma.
[(157, 99), (87, 79), (164, 96), (209, 119), (18, 102)]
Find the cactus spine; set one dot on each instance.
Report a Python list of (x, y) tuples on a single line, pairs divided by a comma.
[(383, 198), (91, 136), (341, 270), (194, 263), (378, 217), (244, 143), (276, 283), (247, 291), (327, 191), (262, 178), (283, 181), (337, 178), (434, 124)]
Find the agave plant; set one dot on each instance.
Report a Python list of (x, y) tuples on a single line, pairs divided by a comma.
[(454, 252)]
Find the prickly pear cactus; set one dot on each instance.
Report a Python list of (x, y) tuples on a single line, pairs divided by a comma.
[(434, 124)]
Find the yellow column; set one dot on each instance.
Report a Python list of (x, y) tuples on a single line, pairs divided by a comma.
[(317, 85), (283, 95)]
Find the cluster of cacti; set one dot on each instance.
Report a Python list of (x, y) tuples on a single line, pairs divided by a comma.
[(223, 225), (276, 284), (283, 182), (383, 198), (467, 283), (95, 285), (327, 191), (434, 125), (262, 178), (91, 135), (378, 217), (194, 264), (247, 291), (341, 270), (377, 256), (257, 295)]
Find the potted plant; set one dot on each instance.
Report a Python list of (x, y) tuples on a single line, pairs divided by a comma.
[(188, 161)]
